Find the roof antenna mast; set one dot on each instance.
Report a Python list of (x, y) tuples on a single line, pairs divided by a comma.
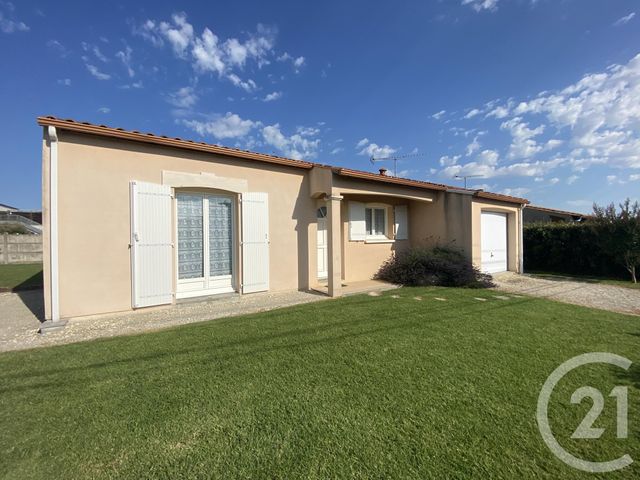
[(467, 176), (395, 159)]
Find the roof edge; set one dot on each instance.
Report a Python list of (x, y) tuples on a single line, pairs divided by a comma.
[(562, 212), (347, 172), (176, 142)]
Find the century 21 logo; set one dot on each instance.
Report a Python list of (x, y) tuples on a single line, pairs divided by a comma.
[(586, 428)]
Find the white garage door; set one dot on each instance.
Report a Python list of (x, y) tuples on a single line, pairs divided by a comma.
[(494, 242)]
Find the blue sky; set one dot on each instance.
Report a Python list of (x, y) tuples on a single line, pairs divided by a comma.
[(540, 98)]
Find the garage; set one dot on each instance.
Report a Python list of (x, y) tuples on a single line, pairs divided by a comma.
[(494, 242)]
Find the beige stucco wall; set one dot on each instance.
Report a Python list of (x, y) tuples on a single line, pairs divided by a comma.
[(361, 260), (94, 215)]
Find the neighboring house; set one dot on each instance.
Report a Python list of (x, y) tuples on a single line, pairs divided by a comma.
[(536, 214), (134, 220), (23, 221), (7, 208)]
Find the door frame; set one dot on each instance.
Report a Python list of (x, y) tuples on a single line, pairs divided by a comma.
[(505, 215), (325, 274), (235, 251)]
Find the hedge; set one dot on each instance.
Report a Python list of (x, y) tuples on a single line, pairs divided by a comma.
[(570, 248)]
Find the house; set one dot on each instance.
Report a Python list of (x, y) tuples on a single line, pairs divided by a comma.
[(20, 220), (537, 214), (135, 220), (7, 208)]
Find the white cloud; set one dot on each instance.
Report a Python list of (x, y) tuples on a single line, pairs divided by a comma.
[(134, 85), (179, 35), (184, 97), (336, 150), (221, 127), (473, 147), (272, 96), (554, 180), (439, 114), (236, 51), (93, 70), (624, 20), (150, 32), (472, 113), (308, 131), (296, 146), (523, 145), (8, 24), (634, 177), (362, 143), (480, 5), (523, 169), (125, 57), (501, 111), (95, 50), (374, 150), (297, 62), (58, 48), (247, 85), (515, 192), (104, 110), (600, 113), (64, 81), (447, 160), (207, 52), (488, 157), (572, 179), (611, 179)]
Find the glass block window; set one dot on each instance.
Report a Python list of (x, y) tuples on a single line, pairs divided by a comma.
[(190, 236), (220, 236)]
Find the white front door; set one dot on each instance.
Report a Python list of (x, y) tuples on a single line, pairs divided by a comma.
[(205, 244), (323, 253), (494, 242)]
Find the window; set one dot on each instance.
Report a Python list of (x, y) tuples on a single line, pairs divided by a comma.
[(376, 222)]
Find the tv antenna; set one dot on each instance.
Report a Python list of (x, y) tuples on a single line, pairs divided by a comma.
[(395, 159), (467, 176)]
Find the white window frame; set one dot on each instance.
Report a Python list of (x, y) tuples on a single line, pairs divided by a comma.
[(377, 238), (206, 285)]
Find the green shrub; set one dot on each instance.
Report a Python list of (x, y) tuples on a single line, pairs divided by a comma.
[(438, 266)]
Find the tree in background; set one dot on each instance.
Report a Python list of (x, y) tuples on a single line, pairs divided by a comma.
[(619, 233)]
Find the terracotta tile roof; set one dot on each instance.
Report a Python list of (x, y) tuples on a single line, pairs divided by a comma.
[(103, 130), (560, 212), (176, 142), (347, 172)]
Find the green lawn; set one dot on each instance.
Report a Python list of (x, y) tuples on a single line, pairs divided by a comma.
[(581, 278), (360, 387), (21, 276)]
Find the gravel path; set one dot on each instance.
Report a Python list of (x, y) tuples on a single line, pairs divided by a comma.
[(20, 313), (605, 297)]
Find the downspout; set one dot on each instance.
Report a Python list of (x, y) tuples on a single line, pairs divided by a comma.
[(521, 235), (54, 323)]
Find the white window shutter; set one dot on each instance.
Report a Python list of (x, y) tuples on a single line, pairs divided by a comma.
[(401, 222), (357, 225), (151, 245), (255, 242)]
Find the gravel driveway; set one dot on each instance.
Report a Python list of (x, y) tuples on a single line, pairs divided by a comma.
[(20, 313), (605, 297)]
